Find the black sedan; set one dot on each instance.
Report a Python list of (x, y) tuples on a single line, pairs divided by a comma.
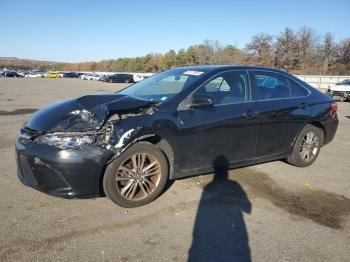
[(70, 75), (177, 123), (11, 74), (119, 78)]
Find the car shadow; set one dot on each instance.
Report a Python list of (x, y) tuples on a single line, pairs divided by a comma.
[(220, 232)]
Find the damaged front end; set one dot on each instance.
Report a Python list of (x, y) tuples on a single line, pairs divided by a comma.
[(92, 119), (77, 137)]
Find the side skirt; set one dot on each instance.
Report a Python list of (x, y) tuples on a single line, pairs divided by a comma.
[(209, 169)]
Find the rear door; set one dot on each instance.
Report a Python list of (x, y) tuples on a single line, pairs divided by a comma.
[(282, 111)]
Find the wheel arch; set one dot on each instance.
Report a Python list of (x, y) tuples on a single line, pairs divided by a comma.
[(320, 126), (155, 140), (315, 123), (163, 145)]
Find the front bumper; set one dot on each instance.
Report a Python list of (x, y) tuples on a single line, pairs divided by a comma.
[(64, 173)]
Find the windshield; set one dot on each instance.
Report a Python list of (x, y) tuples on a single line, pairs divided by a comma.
[(163, 86)]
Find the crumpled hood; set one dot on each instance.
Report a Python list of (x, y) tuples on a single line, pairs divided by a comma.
[(340, 88), (84, 113)]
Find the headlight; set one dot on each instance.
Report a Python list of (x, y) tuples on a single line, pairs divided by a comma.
[(63, 141)]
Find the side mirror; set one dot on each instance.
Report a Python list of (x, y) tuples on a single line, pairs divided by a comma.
[(201, 101)]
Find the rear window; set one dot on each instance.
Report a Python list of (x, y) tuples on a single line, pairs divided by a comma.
[(296, 89), (270, 85)]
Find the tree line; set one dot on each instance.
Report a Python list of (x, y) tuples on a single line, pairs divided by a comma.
[(298, 52)]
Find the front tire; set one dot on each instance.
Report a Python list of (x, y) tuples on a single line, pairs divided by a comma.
[(137, 176), (306, 147)]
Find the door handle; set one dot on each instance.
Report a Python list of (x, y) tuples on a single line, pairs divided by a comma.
[(303, 105), (250, 114)]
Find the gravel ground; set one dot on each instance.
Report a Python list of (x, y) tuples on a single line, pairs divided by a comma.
[(267, 212)]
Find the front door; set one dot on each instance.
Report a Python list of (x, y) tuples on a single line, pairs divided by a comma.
[(227, 128)]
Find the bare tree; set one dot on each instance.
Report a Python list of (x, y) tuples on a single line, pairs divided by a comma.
[(343, 57), (230, 55), (327, 52), (286, 50), (343, 51), (259, 50), (307, 42)]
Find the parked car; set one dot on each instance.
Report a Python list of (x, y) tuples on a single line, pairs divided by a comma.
[(102, 78), (174, 124), (120, 78), (22, 73), (95, 77), (90, 76), (70, 75), (83, 77), (11, 74), (341, 91), (52, 75), (33, 75), (141, 76)]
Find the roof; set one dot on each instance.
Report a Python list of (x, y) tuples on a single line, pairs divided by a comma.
[(227, 67)]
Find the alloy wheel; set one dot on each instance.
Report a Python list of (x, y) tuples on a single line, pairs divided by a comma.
[(138, 176), (309, 146)]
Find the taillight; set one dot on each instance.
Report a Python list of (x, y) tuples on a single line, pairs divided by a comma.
[(334, 108)]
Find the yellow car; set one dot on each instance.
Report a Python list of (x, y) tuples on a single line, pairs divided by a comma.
[(53, 75)]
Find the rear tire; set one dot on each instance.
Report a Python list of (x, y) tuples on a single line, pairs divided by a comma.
[(306, 147), (137, 176)]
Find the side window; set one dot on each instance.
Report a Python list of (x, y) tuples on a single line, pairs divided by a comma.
[(270, 85), (227, 88), (296, 89)]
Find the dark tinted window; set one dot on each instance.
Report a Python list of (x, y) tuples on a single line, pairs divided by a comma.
[(123, 76), (296, 89), (344, 82), (227, 88), (270, 85)]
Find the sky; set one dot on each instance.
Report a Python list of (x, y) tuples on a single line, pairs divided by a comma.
[(76, 30)]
